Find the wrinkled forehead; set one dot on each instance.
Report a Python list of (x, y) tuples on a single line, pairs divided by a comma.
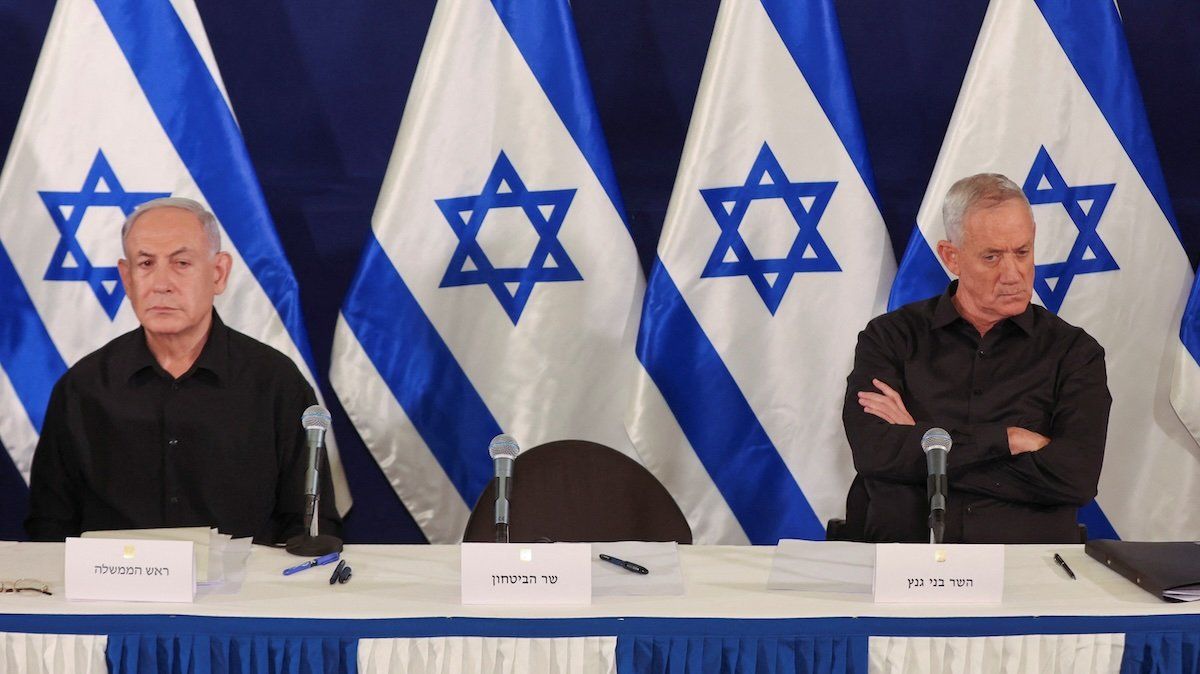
[(1008, 220), (166, 227)]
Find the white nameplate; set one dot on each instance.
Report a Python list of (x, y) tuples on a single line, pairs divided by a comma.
[(939, 574), (526, 573), (130, 570)]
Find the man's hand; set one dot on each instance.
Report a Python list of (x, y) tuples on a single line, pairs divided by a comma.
[(887, 405), (1021, 440)]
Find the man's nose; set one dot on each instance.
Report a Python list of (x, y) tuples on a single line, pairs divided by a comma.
[(160, 280), (1010, 269)]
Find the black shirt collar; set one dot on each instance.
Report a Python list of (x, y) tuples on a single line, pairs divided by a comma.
[(134, 356), (946, 313)]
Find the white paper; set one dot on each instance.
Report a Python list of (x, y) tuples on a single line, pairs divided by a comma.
[(939, 574), (526, 573), (130, 570), (199, 536), (661, 559), (823, 566)]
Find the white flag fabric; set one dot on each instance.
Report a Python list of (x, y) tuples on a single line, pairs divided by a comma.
[(126, 105), (773, 256), (499, 288), (1051, 100)]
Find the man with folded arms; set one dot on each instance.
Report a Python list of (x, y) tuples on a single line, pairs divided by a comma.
[(182, 422), (1023, 394)]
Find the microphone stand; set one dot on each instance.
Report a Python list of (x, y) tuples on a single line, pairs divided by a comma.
[(937, 508), (312, 543)]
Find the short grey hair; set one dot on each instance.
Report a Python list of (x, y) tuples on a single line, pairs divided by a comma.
[(982, 190), (208, 221)]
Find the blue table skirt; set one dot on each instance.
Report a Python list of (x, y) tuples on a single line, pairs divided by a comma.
[(190, 644)]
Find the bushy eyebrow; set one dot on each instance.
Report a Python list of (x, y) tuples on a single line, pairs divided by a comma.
[(178, 251)]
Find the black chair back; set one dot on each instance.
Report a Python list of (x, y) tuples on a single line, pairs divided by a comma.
[(579, 491)]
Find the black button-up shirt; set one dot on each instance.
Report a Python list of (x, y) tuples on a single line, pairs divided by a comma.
[(126, 445), (1034, 371)]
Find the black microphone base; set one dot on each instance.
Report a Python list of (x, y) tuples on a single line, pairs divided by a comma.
[(305, 545)]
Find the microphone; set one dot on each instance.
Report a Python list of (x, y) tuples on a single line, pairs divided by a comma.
[(316, 421), (936, 442), (503, 449)]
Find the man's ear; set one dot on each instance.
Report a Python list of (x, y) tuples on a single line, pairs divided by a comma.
[(949, 253), (223, 263)]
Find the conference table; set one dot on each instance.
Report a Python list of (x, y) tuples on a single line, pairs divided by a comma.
[(402, 612)]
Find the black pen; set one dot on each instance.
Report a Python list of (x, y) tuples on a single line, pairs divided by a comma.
[(628, 566), (1058, 558)]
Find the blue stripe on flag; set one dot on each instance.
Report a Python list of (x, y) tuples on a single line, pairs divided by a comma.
[(1091, 36), (544, 33), (27, 353), (811, 33), (718, 420), (920, 275), (421, 372), (189, 105), (1096, 521), (1109, 76)]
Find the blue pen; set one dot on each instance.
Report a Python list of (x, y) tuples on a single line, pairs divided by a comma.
[(331, 557)]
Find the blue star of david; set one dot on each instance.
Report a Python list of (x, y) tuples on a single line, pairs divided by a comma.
[(69, 262), (512, 286), (808, 253), (1085, 219)]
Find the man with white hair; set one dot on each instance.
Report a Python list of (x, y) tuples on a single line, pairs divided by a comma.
[(183, 421), (1023, 394)]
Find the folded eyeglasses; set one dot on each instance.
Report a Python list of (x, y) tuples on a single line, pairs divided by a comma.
[(24, 585)]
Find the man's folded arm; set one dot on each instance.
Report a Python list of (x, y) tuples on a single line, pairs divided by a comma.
[(888, 451), (1067, 470)]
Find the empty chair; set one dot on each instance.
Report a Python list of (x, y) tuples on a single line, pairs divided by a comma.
[(579, 491)]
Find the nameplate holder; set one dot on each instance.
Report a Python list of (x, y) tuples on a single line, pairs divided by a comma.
[(526, 573), (939, 574), (130, 570)]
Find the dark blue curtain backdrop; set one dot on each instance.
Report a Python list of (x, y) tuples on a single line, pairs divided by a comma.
[(319, 89)]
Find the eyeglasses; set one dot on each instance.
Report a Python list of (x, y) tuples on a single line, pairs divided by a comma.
[(25, 585)]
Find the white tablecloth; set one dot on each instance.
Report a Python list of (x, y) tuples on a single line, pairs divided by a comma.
[(726, 598)]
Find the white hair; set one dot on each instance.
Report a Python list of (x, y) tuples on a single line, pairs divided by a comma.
[(208, 221), (982, 190)]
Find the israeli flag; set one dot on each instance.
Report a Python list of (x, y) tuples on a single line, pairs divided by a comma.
[(499, 288), (1050, 100), (126, 105), (773, 256)]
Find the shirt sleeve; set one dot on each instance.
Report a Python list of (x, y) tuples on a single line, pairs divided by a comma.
[(293, 451), (54, 485), (1066, 471), (892, 452)]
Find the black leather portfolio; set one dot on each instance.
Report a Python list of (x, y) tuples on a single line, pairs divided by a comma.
[(1170, 571)]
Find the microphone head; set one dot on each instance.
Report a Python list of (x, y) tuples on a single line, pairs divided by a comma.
[(316, 417), (936, 438), (503, 447)]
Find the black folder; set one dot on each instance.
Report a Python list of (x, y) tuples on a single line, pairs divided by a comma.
[(1170, 571)]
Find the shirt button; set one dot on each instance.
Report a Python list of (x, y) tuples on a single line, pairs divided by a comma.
[(981, 353), (977, 391), (175, 384), (174, 500), (172, 442), (969, 508)]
